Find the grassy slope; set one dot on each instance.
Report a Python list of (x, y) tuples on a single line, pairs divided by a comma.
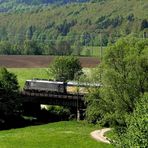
[(54, 135)]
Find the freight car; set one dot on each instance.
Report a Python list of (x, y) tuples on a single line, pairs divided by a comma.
[(37, 85)]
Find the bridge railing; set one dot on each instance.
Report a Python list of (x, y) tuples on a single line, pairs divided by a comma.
[(53, 95)]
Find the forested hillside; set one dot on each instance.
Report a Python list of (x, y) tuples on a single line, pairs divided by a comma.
[(46, 28), (12, 5)]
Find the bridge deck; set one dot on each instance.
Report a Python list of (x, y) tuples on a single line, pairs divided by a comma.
[(53, 99)]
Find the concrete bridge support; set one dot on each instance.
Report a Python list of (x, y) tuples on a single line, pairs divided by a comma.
[(77, 112)]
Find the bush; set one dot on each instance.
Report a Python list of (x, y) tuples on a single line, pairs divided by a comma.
[(136, 133)]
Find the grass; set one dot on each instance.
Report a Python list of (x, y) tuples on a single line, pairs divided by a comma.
[(110, 134), (24, 74), (66, 134)]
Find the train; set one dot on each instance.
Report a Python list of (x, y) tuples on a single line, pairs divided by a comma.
[(43, 85), (39, 85)]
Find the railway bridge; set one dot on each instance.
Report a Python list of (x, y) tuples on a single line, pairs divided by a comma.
[(35, 94), (32, 101), (67, 99)]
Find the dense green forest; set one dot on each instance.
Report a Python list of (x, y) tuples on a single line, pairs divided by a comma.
[(10, 5), (48, 29)]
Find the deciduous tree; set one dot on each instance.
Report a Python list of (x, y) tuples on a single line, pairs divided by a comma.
[(64, 68), (124, 79), (136, 133)]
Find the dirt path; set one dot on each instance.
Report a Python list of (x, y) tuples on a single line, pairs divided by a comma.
[(99, 135)]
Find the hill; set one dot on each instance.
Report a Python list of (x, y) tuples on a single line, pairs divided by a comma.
[(77, 24), (12, 5)]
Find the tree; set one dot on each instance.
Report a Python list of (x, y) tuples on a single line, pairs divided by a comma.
[(6, 48), (32, 48), (8, 92), (64, 68), (124, 79), (137, 126), (29, 32), (77, 49), (65, 26), (144, 24)]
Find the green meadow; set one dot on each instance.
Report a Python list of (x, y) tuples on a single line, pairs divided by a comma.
[(66, 134)]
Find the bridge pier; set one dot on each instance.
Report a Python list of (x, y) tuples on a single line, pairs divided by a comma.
[(77, 112), (78, 115)]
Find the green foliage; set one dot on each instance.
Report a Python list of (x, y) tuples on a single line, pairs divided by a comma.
[(92, 112), (64, 28), (8, 81), (136, 133), (58, 111), (32, 47), (144, 24), (8, 91), (104, 22), (77, 49), (124, 78), (64, 68), (63, 48), (6, 48)]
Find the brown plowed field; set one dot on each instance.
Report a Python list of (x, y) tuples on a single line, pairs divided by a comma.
[(25, 61)]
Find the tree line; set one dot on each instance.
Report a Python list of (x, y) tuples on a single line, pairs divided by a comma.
[(30, 47)]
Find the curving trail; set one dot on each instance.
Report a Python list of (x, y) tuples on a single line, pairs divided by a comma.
[(99, 135)]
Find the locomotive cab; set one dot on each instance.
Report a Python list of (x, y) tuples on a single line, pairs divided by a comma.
[(45, 86)]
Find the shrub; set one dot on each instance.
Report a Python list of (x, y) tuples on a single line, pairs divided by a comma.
[(136, 133)]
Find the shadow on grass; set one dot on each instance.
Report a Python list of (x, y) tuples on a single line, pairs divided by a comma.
[(12, 121)]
